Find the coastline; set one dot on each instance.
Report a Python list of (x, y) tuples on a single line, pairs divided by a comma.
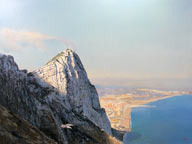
[(143, 104), (171, 114), (119, 108)]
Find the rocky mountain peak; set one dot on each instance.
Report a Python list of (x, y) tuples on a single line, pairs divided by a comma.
[(55, 95), (66, 73), (65, 53)]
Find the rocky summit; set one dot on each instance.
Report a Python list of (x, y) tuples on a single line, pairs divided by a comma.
[(56, 102), (66, 73)]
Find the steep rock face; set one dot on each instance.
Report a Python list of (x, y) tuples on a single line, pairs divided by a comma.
[(45, 107), (27, 96), (66, 73)]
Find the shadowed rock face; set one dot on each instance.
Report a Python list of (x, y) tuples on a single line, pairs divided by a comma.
[(15, 130), (43, 106)]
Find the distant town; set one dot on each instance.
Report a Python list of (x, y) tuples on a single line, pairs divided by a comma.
[(118, 107)]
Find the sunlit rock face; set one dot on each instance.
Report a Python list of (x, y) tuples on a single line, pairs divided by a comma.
[(32, 97), (66, 73)]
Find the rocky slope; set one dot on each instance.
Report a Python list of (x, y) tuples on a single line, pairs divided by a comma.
[(15, 130), (47, 102), (66, 73)]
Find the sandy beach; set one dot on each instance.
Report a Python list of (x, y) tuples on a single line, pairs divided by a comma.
[(119, 107)]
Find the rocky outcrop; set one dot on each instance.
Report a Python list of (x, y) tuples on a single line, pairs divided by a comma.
[(66, 73), (47, 106), (15, 130)]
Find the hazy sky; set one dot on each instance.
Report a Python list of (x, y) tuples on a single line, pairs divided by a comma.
[(115, 39)]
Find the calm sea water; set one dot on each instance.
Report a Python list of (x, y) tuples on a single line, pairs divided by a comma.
[(169, 122)]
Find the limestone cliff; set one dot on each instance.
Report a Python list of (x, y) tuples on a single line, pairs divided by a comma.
[(66, 73), (48, 102)]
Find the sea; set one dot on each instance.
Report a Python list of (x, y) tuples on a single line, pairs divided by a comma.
[(167, 121)]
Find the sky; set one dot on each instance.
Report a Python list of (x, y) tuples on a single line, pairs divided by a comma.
[(144, 43)]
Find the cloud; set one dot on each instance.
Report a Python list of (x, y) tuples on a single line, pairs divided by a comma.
[(17, 40)]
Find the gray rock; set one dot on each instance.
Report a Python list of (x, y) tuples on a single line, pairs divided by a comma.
[(66, 73), (68, 98)]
